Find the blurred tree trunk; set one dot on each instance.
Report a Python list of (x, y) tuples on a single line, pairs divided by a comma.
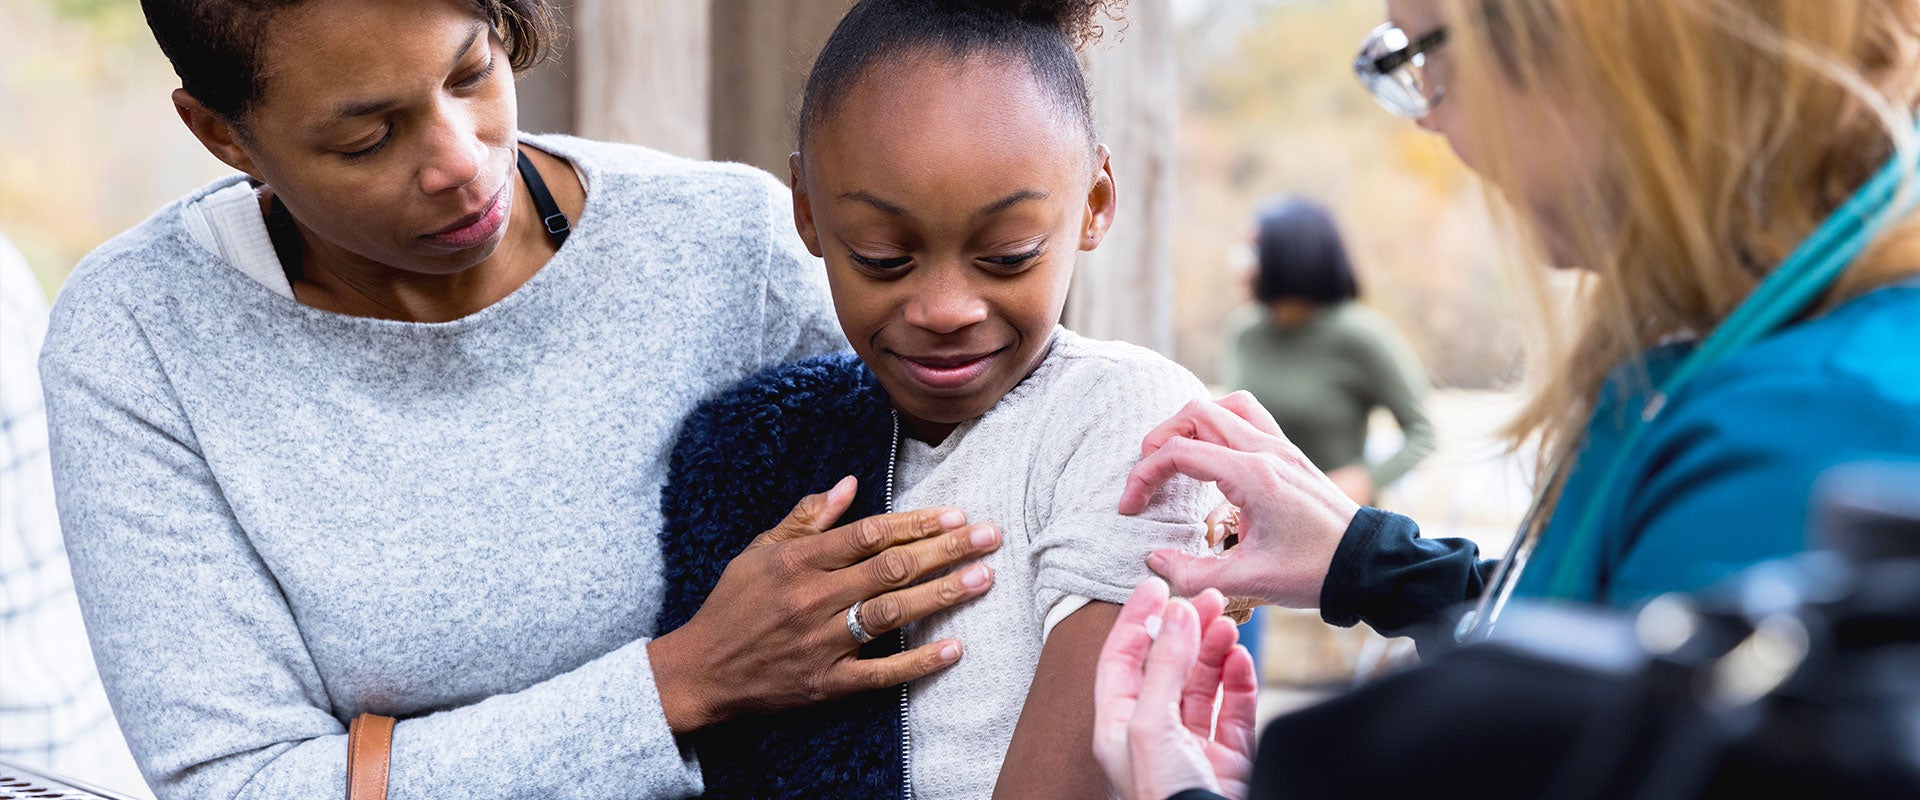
[(762, 52), (546, 92), (641, 73)]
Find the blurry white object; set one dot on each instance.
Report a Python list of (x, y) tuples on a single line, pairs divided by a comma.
[(53, 713)]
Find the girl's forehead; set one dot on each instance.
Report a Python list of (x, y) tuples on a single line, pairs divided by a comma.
[(934, 92), (933, 111), (924, 180)]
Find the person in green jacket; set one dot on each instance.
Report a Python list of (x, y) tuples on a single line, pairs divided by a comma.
[(1321, 361)]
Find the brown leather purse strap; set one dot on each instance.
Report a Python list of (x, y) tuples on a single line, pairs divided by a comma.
[(369, 746)]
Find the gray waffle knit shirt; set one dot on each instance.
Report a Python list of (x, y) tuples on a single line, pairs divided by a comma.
[(1047, 464), (281, 517)]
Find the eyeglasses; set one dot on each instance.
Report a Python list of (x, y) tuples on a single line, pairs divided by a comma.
[(1394, 68)]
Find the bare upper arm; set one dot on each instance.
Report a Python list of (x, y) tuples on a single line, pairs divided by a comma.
[(1052, 751)]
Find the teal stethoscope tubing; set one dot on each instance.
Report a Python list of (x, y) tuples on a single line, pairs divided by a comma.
[(1783, 296)]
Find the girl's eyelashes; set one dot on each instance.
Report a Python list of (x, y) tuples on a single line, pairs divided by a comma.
[(1015, 262), (882, 265), (1007, 264)]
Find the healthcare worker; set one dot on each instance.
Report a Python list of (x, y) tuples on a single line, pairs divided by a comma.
[(1734, 182)]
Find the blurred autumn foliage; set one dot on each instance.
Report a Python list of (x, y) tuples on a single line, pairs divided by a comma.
[(89, 146), (1271, 108)]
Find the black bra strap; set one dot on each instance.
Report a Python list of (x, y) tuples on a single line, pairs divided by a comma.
[(286, 239), (550, 215)]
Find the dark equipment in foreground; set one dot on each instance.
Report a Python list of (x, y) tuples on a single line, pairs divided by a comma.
[(1796, 679)]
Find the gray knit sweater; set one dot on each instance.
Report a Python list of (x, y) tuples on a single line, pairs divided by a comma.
[(281, 517)]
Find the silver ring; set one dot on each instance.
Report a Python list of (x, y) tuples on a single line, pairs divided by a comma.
[(860, 634)]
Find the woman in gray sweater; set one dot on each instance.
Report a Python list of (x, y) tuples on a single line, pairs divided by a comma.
[(381, 426)]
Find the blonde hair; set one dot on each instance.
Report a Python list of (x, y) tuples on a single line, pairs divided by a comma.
[(1726, 130)]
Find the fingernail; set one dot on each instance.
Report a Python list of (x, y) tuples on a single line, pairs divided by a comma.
[(950, 653), (984, 536), (1153, 627), (845, 485), (1157, 563), (975, 577), (952, 519)]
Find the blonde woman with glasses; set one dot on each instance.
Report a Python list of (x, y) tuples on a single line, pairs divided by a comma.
[(1734, 180)]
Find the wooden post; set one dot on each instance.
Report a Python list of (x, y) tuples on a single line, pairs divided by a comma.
[(642, 73), (1124, 290), (762, 52), (546, 92)]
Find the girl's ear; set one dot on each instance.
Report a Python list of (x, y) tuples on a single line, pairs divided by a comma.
[(1102, 201), (214, 133), (802, 207)]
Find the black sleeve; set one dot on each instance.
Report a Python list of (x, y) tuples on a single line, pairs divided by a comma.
[(1196, 794), (1386, 575)]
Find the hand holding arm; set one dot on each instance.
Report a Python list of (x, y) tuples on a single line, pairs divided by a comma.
[(1292, 515), (773, 633)]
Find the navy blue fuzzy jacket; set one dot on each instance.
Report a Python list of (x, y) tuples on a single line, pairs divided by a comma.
[(743, 460)]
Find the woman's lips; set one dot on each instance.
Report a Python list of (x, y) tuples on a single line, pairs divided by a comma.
[(947, 373), (474, 229)]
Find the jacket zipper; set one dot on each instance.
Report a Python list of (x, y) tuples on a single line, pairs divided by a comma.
[(906, 731)]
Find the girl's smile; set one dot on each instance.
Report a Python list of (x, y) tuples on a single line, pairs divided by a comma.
[(938, 231), (949, 374)]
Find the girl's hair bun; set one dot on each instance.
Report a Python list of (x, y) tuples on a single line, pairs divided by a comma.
[(1080, 20), (1045, 34)]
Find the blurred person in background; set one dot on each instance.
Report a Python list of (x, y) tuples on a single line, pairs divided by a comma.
[(1321, 361), (1735, 182), (53, 713)]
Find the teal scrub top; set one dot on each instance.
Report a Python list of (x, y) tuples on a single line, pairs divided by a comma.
[(1723, 477)]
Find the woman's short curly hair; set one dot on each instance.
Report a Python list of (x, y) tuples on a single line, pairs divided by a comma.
[(214, 45)]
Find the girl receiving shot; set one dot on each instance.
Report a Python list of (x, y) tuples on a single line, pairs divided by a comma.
[(949, 175)]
